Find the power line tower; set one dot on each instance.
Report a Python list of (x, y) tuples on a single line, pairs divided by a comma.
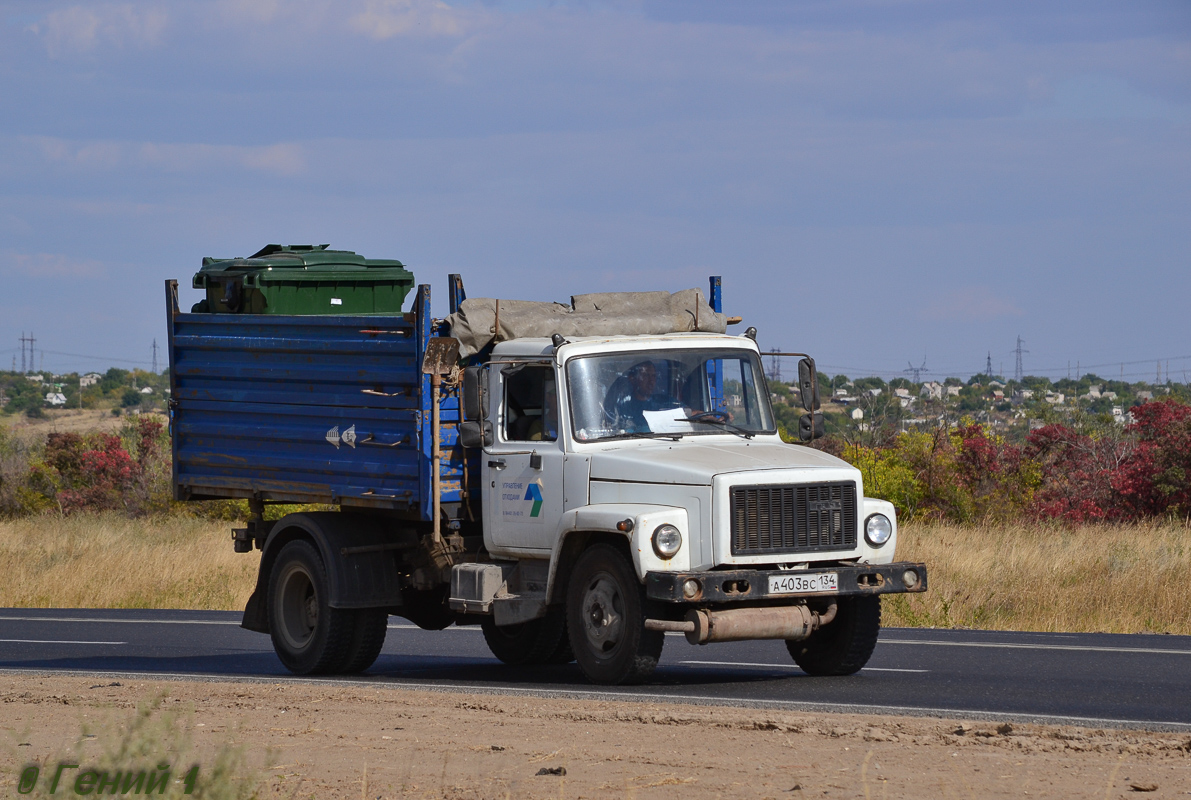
[(916, 371), (988, 364), (1017, 372), (29, 340), (775, 366), (154, 356)]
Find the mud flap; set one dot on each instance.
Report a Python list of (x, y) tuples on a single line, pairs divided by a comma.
[(256, 617)]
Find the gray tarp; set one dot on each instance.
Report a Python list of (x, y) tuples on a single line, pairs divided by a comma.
[(603, 314)]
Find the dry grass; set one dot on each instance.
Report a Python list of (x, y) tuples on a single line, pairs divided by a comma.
[(110, 561), (1120, 579), (1030, 577)]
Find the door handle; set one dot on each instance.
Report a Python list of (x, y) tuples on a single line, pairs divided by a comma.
[(497, 463)]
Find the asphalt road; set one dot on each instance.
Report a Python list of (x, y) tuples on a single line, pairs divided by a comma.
[(1090, 679)]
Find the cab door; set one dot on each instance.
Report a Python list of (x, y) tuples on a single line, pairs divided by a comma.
[(523, 467)]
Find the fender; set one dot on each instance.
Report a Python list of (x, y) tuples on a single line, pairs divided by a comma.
[(602, 519), (357, 552)]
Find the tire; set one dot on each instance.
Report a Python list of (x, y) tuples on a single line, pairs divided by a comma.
[(309, 636), (606, 611), (533, 642), (843, 646), (368, 637), (563, 654)]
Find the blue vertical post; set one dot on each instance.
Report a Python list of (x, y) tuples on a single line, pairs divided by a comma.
[(422, 333), (715, 368), (456, 295)]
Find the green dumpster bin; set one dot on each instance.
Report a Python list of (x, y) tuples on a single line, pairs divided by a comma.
[(302, 279)]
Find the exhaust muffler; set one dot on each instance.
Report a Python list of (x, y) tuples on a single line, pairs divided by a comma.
[(702, 626)]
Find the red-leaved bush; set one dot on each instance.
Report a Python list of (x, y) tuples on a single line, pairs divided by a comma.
[(1155, 479), (966, 473), (95, 471)]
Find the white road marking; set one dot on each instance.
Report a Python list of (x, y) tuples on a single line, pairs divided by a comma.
[(476, 628), (1013, 646), (789, 666), (112, 619), (54, 641)]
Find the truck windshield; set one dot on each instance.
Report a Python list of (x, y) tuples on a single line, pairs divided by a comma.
[(668, 393)]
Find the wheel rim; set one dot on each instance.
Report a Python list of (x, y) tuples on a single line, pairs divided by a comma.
[(603, 613), (298, 611)]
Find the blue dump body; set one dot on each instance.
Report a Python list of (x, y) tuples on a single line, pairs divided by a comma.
[(310, 409)]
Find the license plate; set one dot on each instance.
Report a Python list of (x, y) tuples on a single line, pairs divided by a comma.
[(804, 584)]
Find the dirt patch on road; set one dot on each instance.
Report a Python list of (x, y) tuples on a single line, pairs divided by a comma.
[(323, 741)]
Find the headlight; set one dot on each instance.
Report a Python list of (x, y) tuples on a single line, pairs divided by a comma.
[(877, 529), (666, 540)]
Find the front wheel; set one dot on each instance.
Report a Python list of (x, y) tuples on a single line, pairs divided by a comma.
[(606, 610), (843, 646)]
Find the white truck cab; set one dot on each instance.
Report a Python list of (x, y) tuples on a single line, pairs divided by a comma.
[(634, 485)]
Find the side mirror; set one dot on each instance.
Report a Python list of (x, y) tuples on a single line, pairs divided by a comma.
[(811, 427), (808, 384), (473, 394), (475, 433)]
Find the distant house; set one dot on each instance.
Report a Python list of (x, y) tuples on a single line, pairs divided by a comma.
[(857, 413), (1145, 397), (874, 392), (1109, 395), (90, 379), (932, 390), (1055, 398), (35, 378), (147, 390), (953, 391), (996, 384), (902, 392), (55, 398), (998, 395)]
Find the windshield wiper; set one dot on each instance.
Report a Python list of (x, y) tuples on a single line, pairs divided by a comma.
[(715, 418), (675, 435)]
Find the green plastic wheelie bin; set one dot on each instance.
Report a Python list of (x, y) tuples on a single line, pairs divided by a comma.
[(302, 279)]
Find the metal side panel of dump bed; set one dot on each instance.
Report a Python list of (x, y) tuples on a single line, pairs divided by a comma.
[(310, 409)]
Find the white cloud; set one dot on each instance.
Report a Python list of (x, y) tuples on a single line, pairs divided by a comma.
[(384, 19), (284, 159), (971, 304), (80, 29), (50, 265)]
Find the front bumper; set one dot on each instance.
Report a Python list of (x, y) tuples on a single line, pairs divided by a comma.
[(752, 585)]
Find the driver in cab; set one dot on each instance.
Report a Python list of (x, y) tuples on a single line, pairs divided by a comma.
[(632, 394)]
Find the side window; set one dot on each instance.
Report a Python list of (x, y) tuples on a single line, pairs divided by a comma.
[(531, 405)]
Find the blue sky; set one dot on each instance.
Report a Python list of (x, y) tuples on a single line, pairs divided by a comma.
[(878, 181)]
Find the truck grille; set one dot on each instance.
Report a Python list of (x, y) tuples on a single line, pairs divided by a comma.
[(793, 519)]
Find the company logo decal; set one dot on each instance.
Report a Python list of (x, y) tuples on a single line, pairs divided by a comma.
[(534, 493)]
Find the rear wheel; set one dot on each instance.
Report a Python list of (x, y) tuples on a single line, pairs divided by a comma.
[(843, 646), (308, 635), (368, 637), (606, 610), (532, 642)]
